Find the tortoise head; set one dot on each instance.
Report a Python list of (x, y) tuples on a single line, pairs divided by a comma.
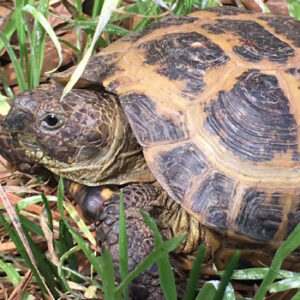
[(84, 137)]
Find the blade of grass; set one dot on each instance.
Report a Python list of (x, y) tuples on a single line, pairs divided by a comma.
[(14, 277), (141, 6), (75, 274), (208, 291), (106, 12), (70, 252), (80, 223), (48, 210), (97, 8), (294, 8), (285, 284), (123, 245), (166, 275), (209, 3), (292, 242), (108, 278), (65, 243), (9, 29), (162, 4), (11, 272), (70, 45), (188, 6), (6, 87), (259, 274), (155, 255), (191, 287), (19, 4), (37, 42), (31, 226), (22, 204), (78, 4), (4, 106), (130, 9), (83, 245), (46, 268), (111, 28), (296, 296), (21, 249), (43, 21), (179, 8), (227, 275), (152, 10), (22, 240), (15, 62)]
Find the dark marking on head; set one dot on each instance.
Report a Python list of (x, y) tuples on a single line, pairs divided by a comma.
[(184, 56), (256, 42), (212, 199), (146, 123), (165, 23), (258, 219), (253, 120), (228, 11), (179, 166), (286, 26)]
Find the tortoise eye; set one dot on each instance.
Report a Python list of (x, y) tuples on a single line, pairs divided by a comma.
[(51, 121)]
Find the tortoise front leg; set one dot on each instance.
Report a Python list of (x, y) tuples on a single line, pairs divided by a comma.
[(140, 237), (98, 200)]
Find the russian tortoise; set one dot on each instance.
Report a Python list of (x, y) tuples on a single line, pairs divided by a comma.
[(207, 105)]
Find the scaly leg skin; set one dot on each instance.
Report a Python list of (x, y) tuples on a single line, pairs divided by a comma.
[(105, 203)]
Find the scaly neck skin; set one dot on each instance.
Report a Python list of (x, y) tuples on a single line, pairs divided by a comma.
[(120, 158), (125, 161)]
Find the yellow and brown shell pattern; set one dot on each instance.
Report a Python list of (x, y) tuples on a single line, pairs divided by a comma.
[(214, 99)]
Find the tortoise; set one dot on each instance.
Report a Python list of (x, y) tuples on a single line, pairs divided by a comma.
[(196, 117)]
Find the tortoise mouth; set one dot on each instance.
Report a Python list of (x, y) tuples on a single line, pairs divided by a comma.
[(35, 153)]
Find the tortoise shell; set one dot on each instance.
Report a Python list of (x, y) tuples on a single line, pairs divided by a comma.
[(213, 98)]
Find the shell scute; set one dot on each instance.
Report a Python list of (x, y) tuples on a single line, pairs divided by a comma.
[(184, 56), (259, 218), (253, 120), (212, 199), (229, 11), (148, 125), (167, 22), (288, 27), (176, 166), (255, 42)]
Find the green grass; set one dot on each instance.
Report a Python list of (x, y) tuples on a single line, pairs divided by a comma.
[(64, 275)]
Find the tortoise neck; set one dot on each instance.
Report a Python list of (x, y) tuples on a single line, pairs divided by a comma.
[(124, 161)]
